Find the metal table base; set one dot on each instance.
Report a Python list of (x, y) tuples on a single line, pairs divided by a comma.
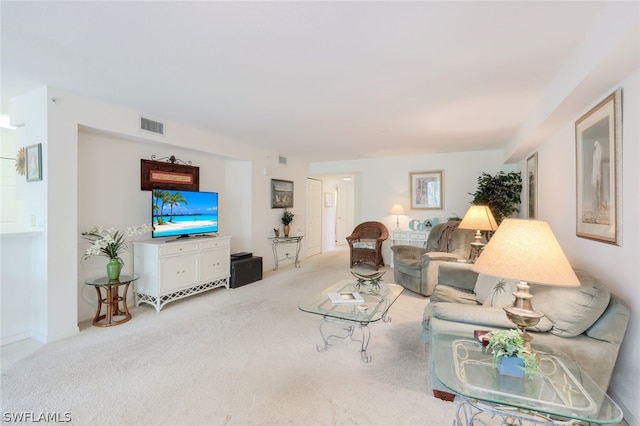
[(348, 328)]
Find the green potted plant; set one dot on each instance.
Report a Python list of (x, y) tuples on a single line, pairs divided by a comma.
[(500, 192), (511, 355), (110, 242), (286, 219)]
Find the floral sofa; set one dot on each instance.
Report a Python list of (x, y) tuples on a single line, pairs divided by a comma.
[(586, 323)]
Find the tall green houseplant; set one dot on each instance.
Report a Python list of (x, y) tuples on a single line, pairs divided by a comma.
[(500, 192)]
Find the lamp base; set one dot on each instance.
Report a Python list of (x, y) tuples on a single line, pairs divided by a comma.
[(521, 313), (476, 249)]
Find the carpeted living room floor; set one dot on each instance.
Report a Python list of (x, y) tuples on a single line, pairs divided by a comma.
[(244, 356)]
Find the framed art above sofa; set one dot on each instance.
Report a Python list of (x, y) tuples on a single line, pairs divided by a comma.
[(598, 171)]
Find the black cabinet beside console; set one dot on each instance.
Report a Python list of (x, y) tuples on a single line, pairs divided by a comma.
[(245, 269)]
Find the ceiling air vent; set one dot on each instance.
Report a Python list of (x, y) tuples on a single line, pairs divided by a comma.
[(151, 125), (282, 160)]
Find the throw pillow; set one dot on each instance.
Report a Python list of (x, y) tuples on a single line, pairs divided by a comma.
[(502, 293), (494, 291), (572, 310)]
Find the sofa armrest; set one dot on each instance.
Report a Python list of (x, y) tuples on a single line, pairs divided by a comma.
[(612, 324), (407, 252), (438, 255), (459, 275)]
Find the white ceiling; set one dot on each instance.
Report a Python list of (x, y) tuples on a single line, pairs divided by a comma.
[(315, 80)]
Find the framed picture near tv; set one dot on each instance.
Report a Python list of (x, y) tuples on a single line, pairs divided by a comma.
[(168, 175), (281, 194)]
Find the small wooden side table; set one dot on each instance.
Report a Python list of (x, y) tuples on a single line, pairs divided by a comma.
[(111, 299)]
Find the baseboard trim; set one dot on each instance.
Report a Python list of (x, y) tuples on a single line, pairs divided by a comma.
[(15, 338), (629, 418)]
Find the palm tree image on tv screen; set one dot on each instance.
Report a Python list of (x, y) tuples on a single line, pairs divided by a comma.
[(183, 213)]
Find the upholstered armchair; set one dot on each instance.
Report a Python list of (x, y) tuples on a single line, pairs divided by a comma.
[(416, 268), (365, 243)]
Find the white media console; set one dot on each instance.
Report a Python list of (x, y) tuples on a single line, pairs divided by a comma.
[(173, 270)]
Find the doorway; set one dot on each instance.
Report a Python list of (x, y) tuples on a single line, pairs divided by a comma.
[(336, 206)]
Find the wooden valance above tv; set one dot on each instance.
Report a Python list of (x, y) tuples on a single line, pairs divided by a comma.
[(170, 174)]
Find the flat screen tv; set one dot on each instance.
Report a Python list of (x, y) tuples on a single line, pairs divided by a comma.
[(177, 213)]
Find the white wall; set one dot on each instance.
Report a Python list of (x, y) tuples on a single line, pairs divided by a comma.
[(616, 266), (27, 265), (16, 296), (50, 269), (109, 194), (381, 183)]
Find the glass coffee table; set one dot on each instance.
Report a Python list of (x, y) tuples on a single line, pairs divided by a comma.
[(375, 304), (562, 393)]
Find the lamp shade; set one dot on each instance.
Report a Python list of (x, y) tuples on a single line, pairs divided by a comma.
[(397, 209), (526, 250), (479, 217)]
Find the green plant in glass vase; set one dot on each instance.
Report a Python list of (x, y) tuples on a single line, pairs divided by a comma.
[(110, 242), (508, 343), (286, 219)]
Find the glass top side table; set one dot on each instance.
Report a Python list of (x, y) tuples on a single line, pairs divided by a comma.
[(111, 299), (561, 390)]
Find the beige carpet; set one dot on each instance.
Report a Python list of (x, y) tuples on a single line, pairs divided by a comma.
[(244, 356)]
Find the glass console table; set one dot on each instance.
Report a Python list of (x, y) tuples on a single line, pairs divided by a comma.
[(276, 241), (561, 393)]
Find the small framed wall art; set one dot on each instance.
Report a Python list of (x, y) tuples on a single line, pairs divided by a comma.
[(155, 174), (598, 171), (281, 194), (426, 190), (34, 162), (328, 199)]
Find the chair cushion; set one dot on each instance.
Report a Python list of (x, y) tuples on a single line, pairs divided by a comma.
[(365, 244), (572, 310)]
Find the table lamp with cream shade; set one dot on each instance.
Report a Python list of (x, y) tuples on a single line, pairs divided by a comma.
[(480, 218), (398, 210), (526, 250)]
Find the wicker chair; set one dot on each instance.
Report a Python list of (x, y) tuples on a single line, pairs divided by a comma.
[(365, 243)]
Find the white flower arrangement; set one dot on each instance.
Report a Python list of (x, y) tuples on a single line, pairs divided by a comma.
[(110, 242)]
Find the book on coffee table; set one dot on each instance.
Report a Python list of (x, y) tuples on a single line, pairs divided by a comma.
[(345, 297)]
